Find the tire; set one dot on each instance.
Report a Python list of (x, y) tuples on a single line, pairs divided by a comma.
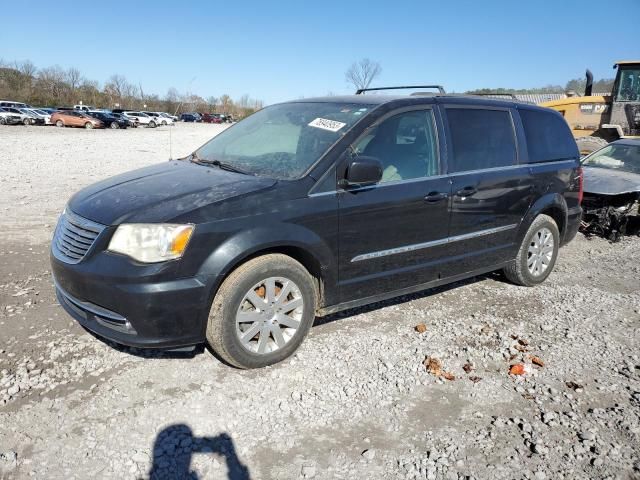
[(59, 123), (114, 125), (224, 331), (521, 271), (152, 124), (164, 122), (26, 121), (2, 121), (88, 125), (587, 145)]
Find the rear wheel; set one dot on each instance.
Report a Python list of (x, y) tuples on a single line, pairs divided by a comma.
[(152, 124), (164, 122), (26, 121), (537, 254), (262, 312), (2, 121), (115, 125), (59, 123), (587, 145)]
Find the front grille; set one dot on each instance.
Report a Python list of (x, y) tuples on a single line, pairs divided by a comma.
[(74, 237)]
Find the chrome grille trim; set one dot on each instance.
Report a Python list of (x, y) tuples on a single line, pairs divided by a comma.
[(74, 236)]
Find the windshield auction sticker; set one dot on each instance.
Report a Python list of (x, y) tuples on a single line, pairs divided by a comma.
[(325, 124)]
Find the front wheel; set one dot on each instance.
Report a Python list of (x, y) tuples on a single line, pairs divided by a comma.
[(152, 125), (2, 121), (88, 125), (262, 312), (26, 121), (537, 254), (115, 125)]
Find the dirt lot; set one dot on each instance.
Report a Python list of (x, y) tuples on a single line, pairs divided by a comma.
[(356, 401)]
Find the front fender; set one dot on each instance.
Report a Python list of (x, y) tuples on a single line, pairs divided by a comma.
[(248, 242)]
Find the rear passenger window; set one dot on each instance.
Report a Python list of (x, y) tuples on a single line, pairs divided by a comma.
[(405, 144), (548, 136), (480, 139)]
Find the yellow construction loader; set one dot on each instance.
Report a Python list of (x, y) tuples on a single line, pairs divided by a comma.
[(597, 120)]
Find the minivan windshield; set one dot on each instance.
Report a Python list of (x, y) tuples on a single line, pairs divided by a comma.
[(283, 141)]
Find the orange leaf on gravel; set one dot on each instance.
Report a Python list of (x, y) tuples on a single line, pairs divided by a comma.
[(448, 376), (421, 328), (434, 366), (537, 361)]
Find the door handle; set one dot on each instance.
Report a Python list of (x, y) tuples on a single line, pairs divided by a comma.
[(466, 191), (435, 197)]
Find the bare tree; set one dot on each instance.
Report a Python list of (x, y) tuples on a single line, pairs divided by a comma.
[(74, 78), (225, 103), (212, 101), (27, 68), (361, 74)]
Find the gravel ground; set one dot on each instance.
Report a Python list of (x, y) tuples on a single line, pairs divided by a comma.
[(356, 401)]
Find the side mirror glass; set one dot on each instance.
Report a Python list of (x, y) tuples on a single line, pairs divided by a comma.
[(362, 171)]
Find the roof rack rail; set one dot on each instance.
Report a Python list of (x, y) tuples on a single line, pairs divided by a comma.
[(440, 88), (496, 94)]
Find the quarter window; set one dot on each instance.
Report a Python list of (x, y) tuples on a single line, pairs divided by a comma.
[(480, 139), (405, 144), (548, 136)]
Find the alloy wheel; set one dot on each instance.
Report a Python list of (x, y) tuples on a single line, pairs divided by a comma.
[(269, 315), (540, 252)]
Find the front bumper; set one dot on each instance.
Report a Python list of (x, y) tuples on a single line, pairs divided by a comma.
[(124, 303)]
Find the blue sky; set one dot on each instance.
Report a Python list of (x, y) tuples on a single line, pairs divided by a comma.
[(282, 50)]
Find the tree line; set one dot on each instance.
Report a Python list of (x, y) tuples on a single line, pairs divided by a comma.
[(577, 85), (55, 86)]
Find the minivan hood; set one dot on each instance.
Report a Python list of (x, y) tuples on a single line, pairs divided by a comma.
[(161, 193)]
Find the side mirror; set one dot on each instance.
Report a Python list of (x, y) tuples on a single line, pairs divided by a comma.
[(362, 171)]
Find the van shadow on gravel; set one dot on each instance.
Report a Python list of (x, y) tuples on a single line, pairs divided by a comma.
[(151, 353), (496, 276), (175, 446)]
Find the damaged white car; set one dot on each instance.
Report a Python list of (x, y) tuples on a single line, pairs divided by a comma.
[(612, 190)]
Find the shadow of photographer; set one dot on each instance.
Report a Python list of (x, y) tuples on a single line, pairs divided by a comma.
[(175, 446)]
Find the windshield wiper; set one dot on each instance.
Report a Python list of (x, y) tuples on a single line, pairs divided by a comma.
[(222, 165)]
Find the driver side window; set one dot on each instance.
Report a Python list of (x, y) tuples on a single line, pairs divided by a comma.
[(405, 144)]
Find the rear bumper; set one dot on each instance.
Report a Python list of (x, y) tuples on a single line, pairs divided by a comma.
[(574, 216), (149, 314)]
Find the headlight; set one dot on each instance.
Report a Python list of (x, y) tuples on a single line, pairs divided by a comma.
[(151, 243)]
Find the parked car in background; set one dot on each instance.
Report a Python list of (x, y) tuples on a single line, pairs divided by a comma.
[(141, 119), (109, 120), (315, 206), (84, 108), (47, 110), (611, 201), (189, 117), (75, 118), (24, 118), (131, 122), (168, 115), (158, 118), (11, 103), (42, 118), (211, 118), (8, 118)]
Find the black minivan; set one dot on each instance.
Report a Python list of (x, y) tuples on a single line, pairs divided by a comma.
[(313, 206)]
